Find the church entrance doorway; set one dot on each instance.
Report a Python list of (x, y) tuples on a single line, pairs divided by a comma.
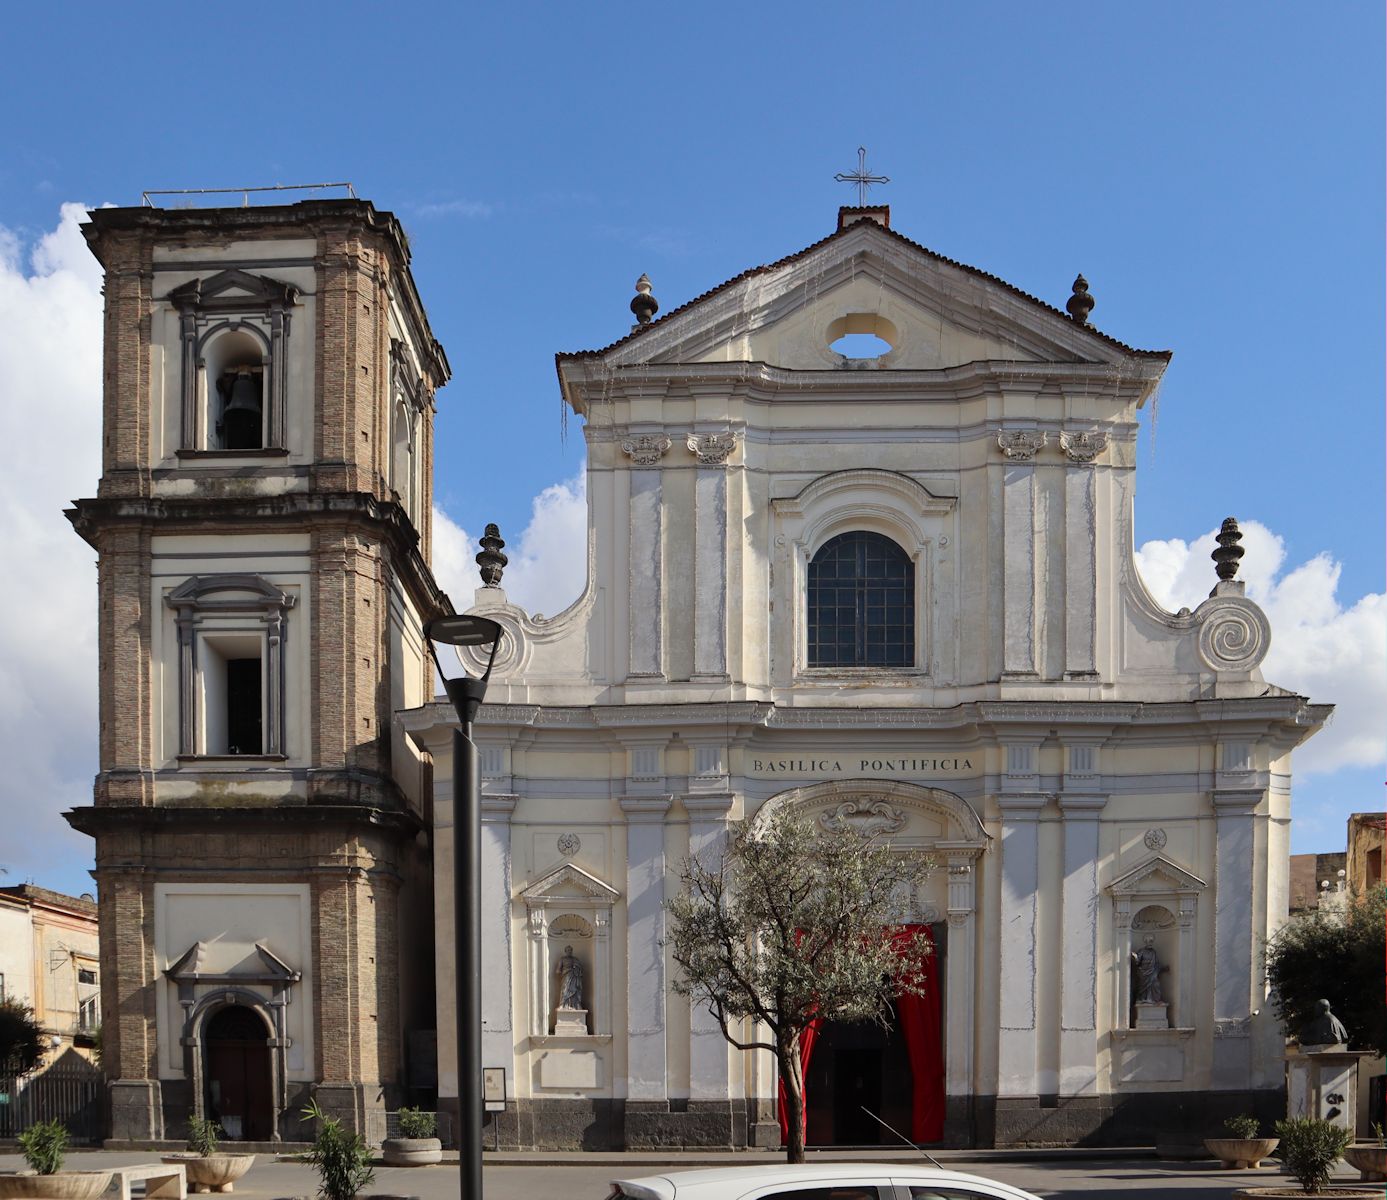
[(852, 1067), (896, 1071), (239, 1092)]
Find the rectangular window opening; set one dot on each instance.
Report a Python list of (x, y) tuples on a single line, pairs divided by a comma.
[(243, 708)]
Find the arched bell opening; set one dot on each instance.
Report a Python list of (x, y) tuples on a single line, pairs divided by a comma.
[(235, 365)]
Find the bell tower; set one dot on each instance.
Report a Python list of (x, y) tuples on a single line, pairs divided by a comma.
[(262, 527)]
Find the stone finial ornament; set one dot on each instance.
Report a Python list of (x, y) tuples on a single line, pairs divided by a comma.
[(490, 560), (1080, 304), (644, 305), (1229, 552)]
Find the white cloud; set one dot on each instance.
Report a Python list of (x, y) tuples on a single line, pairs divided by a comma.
[(548, 565), (1318, 647), (50, 420)]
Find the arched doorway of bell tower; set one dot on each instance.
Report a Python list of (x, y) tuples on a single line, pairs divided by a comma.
[(240, 1095)]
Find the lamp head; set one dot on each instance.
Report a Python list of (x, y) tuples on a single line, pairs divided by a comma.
[(463, 629)]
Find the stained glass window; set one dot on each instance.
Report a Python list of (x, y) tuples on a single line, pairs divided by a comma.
[(861, 603)]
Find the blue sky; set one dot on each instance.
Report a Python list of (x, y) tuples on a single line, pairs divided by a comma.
[(1215, 170)]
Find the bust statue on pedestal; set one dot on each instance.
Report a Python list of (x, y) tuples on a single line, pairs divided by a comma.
[(1323, 1029)]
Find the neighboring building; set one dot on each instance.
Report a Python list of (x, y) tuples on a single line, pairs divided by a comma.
[(1318, 880), (1366, 832), (262, 533), (896, 591), (49, 960)]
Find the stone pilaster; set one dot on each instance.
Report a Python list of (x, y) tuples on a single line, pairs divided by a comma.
[(646, 1059), (1017, 981), (645, 614), (709, 1078), (498, 1038)]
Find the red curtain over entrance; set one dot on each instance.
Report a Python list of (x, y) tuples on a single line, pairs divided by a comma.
[(919, 1017), (920, 1024)]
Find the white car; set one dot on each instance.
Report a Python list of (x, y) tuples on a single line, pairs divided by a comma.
[(817, 1181)]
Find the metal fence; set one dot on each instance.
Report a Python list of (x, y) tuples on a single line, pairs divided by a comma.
[(71, 1090)]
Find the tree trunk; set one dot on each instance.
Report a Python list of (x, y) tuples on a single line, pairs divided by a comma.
[(792, 1076)]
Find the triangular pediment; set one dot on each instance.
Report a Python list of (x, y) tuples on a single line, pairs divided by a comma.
[(936, 313), (569, 883), (233, 289), (1156, 876)]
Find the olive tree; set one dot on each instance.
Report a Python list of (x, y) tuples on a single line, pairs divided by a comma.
[(788, 923), (1336, 956)]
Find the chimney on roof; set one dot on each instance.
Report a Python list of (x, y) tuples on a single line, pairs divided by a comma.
[(851, 214)]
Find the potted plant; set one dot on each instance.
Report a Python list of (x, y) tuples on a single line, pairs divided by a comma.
[(44, 1146), (418, 1144), (208, 1171), (1369, 1159), (1243, 1147), (342, 1159)]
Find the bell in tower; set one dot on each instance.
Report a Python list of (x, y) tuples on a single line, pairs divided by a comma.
[(242, 421)]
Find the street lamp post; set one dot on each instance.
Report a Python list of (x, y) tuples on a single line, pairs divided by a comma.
[(466, 695)]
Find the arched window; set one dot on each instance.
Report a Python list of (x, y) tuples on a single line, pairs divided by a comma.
[(861, 603)]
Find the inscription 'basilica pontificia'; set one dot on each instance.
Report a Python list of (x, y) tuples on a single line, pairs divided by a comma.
[(858, 764)]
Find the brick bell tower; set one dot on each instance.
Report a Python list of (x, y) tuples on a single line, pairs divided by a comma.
[(262, 531)]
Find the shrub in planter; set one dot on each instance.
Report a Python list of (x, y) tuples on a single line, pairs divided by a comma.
[(1310, 1147), (206, 1169), (1242, 1126), (203, 1135), (416, 1123), (342, 1159), (418, 1144), (1242, 1147), (44, 1146)]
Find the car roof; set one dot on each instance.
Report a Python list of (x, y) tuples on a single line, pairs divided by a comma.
[(722, 1181)]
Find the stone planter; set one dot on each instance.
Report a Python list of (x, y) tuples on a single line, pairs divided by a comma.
[(214, 1172), (1240, 1153), (412, 1152), (1369, 1161), (65, 1185), (1340, 1191)]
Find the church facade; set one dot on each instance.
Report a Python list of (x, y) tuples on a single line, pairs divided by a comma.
[(894, 592)]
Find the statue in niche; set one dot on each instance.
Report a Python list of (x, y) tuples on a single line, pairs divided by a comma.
[(1323, 1029), (570, 972), (1148, 973)]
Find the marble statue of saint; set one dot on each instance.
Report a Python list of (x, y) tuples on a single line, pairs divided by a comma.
[(570, 980), (1148, 969), (1323, 1029)]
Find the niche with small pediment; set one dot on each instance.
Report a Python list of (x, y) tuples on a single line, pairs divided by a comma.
[(569, 916)]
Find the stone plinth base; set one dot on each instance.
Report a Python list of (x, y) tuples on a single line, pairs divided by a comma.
[(1152, 1015), (571, 1022), (1323, 1082)]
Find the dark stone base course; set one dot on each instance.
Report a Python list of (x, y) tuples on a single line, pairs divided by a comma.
[(1124, 1119), (1130, 1119)]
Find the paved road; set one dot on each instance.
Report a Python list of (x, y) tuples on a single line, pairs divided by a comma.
[(573, 1179)]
